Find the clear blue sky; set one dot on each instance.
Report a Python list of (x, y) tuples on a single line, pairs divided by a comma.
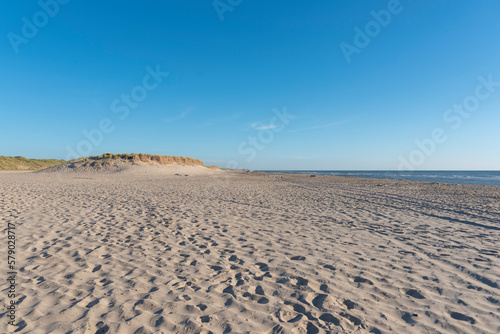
[(227, 76)]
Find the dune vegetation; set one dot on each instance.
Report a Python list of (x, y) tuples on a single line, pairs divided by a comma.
[(109, 158), (103, 160), (22, 163)]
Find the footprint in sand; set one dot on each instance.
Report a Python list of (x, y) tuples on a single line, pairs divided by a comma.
[(311, 328), (350, 304), (359, 279), (240, 281), (493, 300), (356, 321), (283, 280), (103, 329), (296, 318), (229, 290), (462, 317), (262, 266), (21, 325), (329, 318), (205, 318), (258, 298), (202, 307), (332, 268), (92, 303), (263, 300), (319, 300), (301, 281), (415, 294), (277, 330), (408, 318)]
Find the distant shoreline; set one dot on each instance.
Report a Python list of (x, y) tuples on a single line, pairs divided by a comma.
[(490, 178)]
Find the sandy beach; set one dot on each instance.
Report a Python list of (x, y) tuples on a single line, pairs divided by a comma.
[(191, 250)]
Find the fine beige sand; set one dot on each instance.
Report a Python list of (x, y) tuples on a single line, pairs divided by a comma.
[(151, 250)]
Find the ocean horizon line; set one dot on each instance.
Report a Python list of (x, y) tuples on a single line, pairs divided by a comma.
[(477, 177)]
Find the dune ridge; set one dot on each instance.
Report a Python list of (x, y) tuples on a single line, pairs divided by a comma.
[(111, 162), (22, 163)]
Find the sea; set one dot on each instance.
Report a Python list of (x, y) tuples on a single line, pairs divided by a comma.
[(491, 178)]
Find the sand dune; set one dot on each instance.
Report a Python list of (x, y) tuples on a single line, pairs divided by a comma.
[(113, 163), (147, 251)]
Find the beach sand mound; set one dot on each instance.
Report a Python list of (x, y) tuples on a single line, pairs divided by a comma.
[(134, 163)]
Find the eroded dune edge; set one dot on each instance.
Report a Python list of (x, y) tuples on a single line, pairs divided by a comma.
[(191, 250)]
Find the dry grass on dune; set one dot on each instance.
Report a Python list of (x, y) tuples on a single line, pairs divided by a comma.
[(108, 158), (117, 162), (22, 163)]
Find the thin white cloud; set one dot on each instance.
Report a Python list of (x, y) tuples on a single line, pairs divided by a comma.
[(264, 127)]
